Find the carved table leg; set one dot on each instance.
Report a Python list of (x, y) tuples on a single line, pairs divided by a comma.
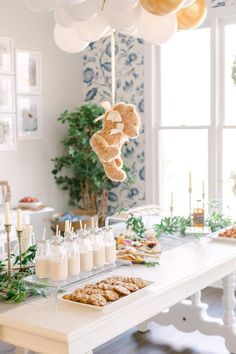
[(228, 300)]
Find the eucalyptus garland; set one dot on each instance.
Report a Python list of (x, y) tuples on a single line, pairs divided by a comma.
[(12, 289)]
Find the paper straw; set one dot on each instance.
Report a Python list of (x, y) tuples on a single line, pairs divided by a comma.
[(80, 224), (57, 229), (44, 233)]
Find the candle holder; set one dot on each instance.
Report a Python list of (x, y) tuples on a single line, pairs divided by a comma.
[(203, 200), (19, 236), (190, 203), (8, 231)]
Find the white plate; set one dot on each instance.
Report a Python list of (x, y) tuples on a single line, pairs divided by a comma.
[(109, 304), (29, 204), (223, 239)]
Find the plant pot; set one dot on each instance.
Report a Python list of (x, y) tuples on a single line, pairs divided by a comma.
[(75, 224)]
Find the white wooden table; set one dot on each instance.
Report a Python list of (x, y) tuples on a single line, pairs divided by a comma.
[(183, 272)]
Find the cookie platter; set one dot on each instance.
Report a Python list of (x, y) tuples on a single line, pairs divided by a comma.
[(225, 235), (106, 292)]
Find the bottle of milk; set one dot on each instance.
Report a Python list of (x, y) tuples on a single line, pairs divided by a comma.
[(58, 260), (110, 245), (86, 253), (73, 257), (98, 250), (42, 259)]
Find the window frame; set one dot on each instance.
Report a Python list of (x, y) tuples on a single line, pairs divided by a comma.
[(216, 20)]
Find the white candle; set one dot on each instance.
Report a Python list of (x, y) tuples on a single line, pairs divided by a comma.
[(203, 187), (190, 180), (18, 220), (171, 199), (7, 214)]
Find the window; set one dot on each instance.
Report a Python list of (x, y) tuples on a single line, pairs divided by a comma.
[(196, 123)]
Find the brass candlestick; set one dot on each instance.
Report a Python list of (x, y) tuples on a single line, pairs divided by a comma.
[(19, 236), (8, 231), (203, 200), (190, 202)]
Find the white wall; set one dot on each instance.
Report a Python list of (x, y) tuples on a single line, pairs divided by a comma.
[(28, 169)]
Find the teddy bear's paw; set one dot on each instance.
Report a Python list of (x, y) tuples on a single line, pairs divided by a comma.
[(111, 153), (116, 175)]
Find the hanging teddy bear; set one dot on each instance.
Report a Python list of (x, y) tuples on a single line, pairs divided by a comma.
[(120, 123)]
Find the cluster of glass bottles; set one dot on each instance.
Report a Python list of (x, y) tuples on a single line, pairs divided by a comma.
[(66, 257)]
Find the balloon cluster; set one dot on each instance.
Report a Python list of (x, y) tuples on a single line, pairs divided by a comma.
[(79, 22)]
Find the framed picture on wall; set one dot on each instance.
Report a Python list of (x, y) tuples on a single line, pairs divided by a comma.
[(28, 72), (7, 132), (7, 94), (29, 117), (6, 55)]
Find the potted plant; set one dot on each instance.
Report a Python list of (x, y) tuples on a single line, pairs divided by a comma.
[(79, 171)]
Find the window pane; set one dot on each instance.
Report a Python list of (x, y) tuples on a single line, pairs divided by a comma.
[(229, 167), (230, 84), (185, 79), (182, 151)]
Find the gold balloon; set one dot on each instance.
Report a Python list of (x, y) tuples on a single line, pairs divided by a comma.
[(192, 16), (162, 7)]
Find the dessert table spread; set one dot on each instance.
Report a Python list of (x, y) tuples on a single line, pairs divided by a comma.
[(66, 328)]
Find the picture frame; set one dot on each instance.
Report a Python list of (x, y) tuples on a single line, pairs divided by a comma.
[(6, 55), (28, 72), (7, 94), (29, 117), (7, 132)]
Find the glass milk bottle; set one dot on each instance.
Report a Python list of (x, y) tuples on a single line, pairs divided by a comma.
[(86, 254), (98, 250), (42, 259), (73, 258), (110, 245), (58, 261)]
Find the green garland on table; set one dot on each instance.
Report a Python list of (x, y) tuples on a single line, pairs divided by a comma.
[(12, 289)]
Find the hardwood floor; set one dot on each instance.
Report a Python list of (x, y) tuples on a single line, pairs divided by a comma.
[(164, 340)]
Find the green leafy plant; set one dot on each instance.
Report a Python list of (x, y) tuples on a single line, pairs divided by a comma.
[(150, 264), (217, 220), (172, 225), (27, 257), (79, 170), (136, 225), (12, 289)]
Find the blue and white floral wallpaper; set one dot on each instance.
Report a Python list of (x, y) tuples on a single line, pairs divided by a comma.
[(130, 89)]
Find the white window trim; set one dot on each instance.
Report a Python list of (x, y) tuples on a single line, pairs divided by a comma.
[(152, 83)]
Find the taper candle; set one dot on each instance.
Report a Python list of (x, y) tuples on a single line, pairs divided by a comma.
[(171, 199), (203, 187), (190, 180), (7, 213), (18, 220)]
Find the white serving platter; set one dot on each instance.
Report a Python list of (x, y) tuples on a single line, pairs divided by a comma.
[(109, 304)]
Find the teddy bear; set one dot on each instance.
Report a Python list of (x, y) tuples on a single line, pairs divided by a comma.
[(119, 124)]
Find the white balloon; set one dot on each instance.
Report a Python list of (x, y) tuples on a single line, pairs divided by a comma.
[(121, 20), (93, 29), (67, 40), (125, 4), (84, 11), (69, 2), (156, 29), (130, 32), (188, 3), (61, 17), (40, 6)]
